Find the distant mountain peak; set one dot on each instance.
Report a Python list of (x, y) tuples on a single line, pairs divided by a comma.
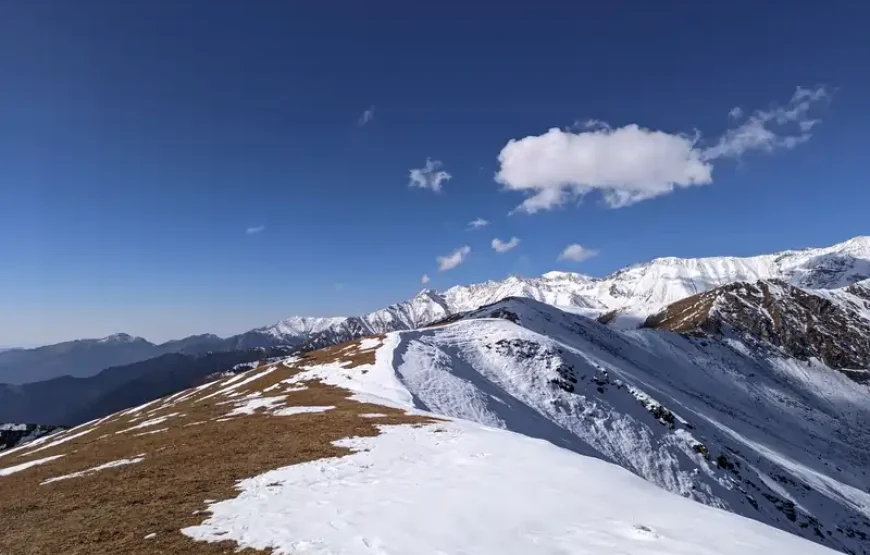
[(120, 338)]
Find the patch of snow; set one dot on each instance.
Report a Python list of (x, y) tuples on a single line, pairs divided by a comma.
[(373, 415), (231, 389), (24, 466), (368, 343), (250, 406), (149, 423), (152, 535), (151, 432), (112, 464), (139, 408), (59, 441), (468, 488), (370, 383), (289, 411)]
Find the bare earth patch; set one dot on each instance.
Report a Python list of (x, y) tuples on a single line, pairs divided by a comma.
[(139, 509)]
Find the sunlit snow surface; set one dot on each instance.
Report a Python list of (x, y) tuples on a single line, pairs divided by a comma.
[(462, 488), (712, 421), (111, 464), (24, 466)]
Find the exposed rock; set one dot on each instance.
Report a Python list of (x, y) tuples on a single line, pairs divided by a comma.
[(801, 323)]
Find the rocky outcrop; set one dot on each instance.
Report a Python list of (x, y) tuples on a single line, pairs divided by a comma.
[(801, 323)]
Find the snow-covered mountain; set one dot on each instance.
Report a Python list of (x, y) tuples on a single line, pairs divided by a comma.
[(751, 430), (502, 431), (660, 282), (624, 299), (630, 294)]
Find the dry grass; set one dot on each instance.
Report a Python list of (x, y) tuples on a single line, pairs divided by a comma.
[(111, 511)]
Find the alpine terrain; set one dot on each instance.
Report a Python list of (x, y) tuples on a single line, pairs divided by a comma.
[(701, 406)]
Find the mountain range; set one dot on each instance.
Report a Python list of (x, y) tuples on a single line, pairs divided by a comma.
[(715, 405), (581, 437), (630, 295)]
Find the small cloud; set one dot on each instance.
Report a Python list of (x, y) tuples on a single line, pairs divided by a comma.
[(767, 130), (806, 125), (255, 230), (500, 246), (590, 123), (425, 279), (367, 117), (430, 176), (577, 253), (478, 223), (453, 259), (736, 112), (339, 287)]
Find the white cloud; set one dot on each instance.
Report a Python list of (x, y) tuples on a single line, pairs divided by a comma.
[(430, 176), (478, 223), (500, 246), (768, 130), (631, 163), (366, 117), (577, 253), (627, 164), (425, 279), (254, 230), (736, 112), (453, 259)]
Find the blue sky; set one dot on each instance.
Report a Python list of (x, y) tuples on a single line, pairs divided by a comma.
[(140, 141)]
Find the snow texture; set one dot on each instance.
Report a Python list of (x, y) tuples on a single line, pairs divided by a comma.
[(24, 466), (149, 423), (250, 406), (471, 489), (698, 417), (290, 411), (112, 464)]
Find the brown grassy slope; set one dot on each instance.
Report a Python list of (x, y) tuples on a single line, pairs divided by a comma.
[(200, 456)]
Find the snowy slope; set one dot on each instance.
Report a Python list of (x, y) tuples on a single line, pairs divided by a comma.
[(773, 439), (470, 489), (259, 460)]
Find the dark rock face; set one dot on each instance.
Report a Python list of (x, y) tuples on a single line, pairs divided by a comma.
[(801, 323), (862, 291), (13, 435)]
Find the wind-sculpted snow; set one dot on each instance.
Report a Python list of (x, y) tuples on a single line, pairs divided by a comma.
[(774, 439)]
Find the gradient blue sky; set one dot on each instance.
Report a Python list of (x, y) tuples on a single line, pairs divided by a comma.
[(139, 142)]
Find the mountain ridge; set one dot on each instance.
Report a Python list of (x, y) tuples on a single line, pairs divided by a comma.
[(707, 418), (630, 294)]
